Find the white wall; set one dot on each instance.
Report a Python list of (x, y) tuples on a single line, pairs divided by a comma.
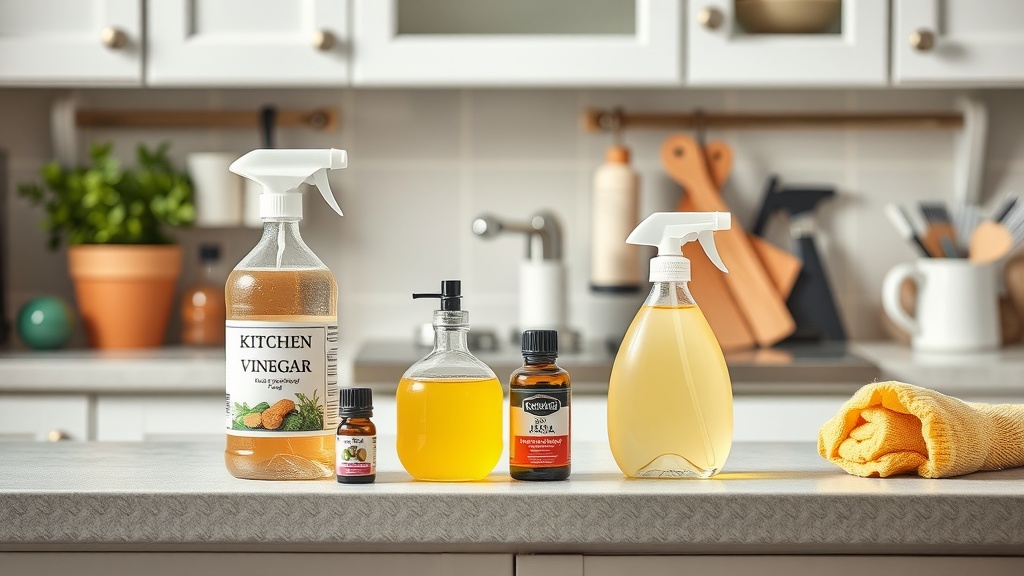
[(425, 162)]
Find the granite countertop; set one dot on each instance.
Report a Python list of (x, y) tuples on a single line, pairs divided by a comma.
[(770, 498), (170, 370), (798, 368), (996, 373), (831, 369)]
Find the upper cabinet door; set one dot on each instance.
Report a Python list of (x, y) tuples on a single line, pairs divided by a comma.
[(958, 41), (56, 42), (850, 51), (525, 42), (247, 43)]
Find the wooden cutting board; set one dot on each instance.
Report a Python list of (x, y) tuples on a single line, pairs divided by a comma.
[(707, 283), (782, 266), (755, 294)]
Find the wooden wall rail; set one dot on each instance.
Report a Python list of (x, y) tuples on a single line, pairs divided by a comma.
[(596, 120), (320, 119)]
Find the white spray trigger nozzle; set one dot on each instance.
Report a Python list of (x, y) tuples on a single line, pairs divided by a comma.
[(669, 231), (707, 242), (320, 179), (281, 172)]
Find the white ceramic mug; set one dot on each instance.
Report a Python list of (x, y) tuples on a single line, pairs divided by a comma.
[(957, 305), (217, 191)]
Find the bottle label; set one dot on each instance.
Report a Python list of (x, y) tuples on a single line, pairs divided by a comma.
[(356, 455), (282, 378), (539, 422)]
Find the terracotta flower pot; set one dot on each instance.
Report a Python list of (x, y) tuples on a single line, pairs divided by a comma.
[(125, 292)]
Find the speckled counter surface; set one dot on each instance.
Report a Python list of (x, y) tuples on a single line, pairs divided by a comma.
[(771, 498)]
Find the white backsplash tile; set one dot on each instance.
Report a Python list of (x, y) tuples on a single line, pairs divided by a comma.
[(397, 126), (400, 232), (425, 162), (509, 125)]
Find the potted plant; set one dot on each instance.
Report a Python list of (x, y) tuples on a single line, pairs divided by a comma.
[(123, 264)]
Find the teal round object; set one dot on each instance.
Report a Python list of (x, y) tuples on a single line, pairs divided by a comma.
[(45, 323)]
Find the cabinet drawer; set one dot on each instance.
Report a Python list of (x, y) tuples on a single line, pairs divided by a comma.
[(155, 417), (42, 417)]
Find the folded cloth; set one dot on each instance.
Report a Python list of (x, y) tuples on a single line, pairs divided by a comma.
[(891, 428)]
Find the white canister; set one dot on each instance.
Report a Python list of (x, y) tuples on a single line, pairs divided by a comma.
[(957, 305), (218, 192), (542, 299)]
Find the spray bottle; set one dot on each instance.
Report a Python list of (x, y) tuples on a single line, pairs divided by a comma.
[(670, 396), (281, 343)]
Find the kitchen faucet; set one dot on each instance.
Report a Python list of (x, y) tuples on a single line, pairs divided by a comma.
[(542, 298)]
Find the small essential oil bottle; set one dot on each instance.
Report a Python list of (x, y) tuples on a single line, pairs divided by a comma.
[(356, 453), (539, 412)]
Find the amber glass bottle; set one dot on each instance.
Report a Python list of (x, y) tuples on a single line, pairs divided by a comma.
[(356, 454), (539, 412), (202, 306)]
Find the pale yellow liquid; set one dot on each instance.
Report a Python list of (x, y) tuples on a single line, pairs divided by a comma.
[(449, 430), (670, 397), (281, 295)]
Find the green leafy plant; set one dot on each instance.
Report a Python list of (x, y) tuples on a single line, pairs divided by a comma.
[(104, 203)]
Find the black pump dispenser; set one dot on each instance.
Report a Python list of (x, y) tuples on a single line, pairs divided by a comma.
[(451, 295)]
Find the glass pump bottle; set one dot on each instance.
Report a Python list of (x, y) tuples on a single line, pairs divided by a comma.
[(449, 403)]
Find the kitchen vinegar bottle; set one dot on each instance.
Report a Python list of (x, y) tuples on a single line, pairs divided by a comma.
[(282, 331), (670, 397), (449, 403)]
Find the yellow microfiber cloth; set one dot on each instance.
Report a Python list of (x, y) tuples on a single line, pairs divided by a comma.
[(890, 428)]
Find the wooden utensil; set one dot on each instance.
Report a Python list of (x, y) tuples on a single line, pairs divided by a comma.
[(908, 301), (782, 266), (756, 296), (1013, 278), (707, 284), (1010, 326), (940, 235), (990, 242)]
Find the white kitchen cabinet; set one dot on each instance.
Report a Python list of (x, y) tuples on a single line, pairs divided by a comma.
[(159, 417), (720, 53), (84, 42), (247, 43), (950, 42), (44, 417), (529, 42)]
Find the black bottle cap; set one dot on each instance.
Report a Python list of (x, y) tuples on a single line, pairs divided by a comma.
[(355, 403), (540, 343), (209, 252), (451, 295)]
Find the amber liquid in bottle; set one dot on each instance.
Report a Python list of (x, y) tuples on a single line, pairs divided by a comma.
[(282, 295)]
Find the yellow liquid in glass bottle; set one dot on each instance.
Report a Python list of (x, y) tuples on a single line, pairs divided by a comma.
[(670, 408), (449, 430), (307, 295)]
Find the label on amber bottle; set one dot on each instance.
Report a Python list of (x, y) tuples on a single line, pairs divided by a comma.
[(539, 424), (356, 455), (282, 378)]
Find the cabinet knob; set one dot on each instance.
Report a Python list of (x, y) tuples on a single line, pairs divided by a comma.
[(57, 435), (114, 38), (711, 18), (922, 40), (324, 40)]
